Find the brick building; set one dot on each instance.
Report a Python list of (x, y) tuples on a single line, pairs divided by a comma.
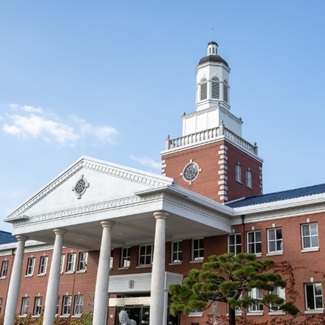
[(102, 228)]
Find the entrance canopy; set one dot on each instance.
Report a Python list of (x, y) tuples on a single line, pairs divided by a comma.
[(91, 191)]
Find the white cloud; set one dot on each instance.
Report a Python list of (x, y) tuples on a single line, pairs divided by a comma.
[(34, 122), (147, 161)]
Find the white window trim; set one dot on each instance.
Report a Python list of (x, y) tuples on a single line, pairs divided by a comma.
[(200, 249), (235, 245), (276, 252), (315, 310), (139, 257), (178, 252), (308, 249), (30, 268)]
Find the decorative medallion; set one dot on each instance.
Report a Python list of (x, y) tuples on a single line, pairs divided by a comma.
[(191, 172), (131, 284), (80, 187)]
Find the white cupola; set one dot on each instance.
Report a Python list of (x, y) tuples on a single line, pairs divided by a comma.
[(212, 80), (212, 96)]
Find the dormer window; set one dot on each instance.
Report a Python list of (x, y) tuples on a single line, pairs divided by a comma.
[(215, 88), (204, 89)]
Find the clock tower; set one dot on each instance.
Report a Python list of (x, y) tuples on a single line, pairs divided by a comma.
[(211, 157)]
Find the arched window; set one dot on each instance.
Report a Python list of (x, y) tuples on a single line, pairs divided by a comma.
[(204, 89), (215, 88), (225, 91)]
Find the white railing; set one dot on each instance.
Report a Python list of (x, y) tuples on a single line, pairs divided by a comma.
[(210, 134)]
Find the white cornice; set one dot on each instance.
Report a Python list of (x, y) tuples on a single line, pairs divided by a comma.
[(281, 209)]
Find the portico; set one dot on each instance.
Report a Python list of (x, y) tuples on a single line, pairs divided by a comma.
[(95, 205)]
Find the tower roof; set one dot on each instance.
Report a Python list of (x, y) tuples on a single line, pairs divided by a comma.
[(212, 56)]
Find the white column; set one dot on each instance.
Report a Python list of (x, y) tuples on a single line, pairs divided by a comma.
[(101, 290), (158, 271), (52, 292), (14, 285)]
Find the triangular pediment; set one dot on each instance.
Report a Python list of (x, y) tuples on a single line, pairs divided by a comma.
[(89, 181)]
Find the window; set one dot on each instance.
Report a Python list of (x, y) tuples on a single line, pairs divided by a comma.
[(42, 265), (111, 261), (197, 249), (314, 296), (215, 88), (125, 257), (4, 269), (225, 91), (275, 241), (280, 292), (257, 295), (71, 261), (238, 173), (177, 251), (145, 254), (254, 242), (249, 182), (62, 263), (78, 303), (37, 306), (234, 243), (30, 266), (82, 262), (57, 306), (0, 304), (66, 305), (204, 89), (24, 306), (309, 234)]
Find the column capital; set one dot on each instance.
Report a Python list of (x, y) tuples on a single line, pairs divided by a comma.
[(59, 231), (161, 215), (21, 237), (107, 223)]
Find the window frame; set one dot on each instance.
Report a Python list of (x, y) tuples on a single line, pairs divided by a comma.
[(254, 243), (258, 307), (197, 251), (215, 88), (203, 89), (315, 296), (66, 305), (310, 236), (42, 268), (30, 266), (238, 173), (249, 178), (4, 269), (274, 240), (125, 259), (176, 255), (82, 261), (280, 292), (1, 301), (37, 310), (24, 306), (235, 243), (71, 263), (146, 256), (225, 91), (78, 304)]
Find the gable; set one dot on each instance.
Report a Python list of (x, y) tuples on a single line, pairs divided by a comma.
[(87, 182)]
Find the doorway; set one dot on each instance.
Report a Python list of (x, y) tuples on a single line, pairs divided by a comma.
[(139, 313)]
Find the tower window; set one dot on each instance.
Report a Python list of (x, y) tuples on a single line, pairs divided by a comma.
[(225, 91), (215, 88), (204, 89), (249, 182), (238, 173)]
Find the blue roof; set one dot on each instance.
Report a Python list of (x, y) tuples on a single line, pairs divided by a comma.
[(278, 196), (6, 237)]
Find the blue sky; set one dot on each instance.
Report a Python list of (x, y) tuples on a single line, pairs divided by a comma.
[(111, 79)]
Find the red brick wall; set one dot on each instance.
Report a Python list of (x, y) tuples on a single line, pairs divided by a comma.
[(208, 159)]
